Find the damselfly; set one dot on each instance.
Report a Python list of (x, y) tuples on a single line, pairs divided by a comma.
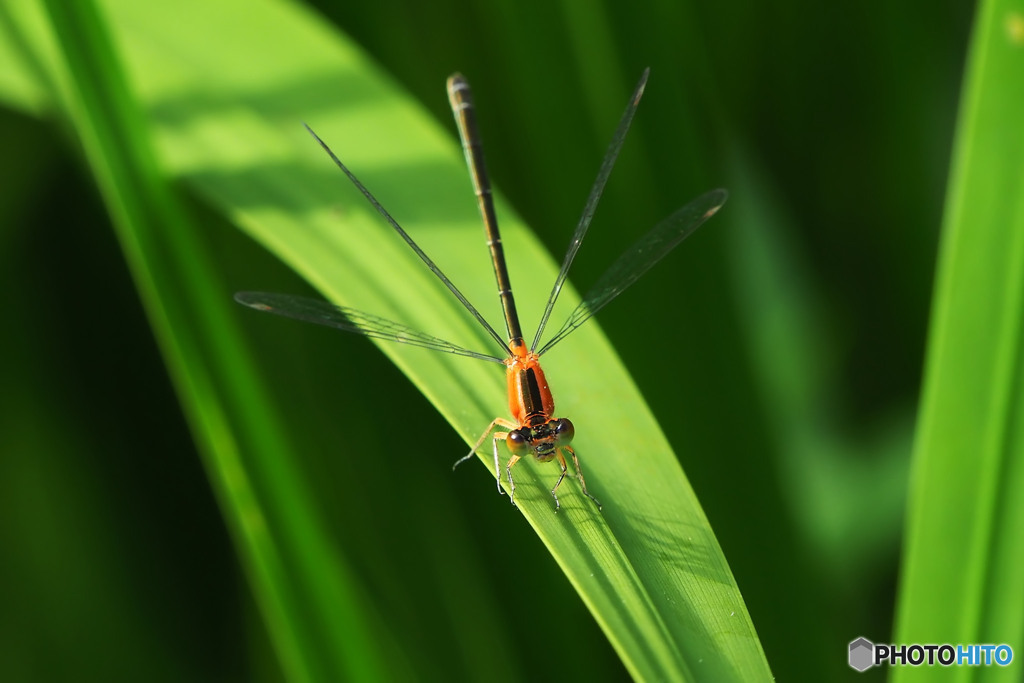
[(534, 429)]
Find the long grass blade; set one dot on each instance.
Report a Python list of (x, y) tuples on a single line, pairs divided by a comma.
[(964, 548)]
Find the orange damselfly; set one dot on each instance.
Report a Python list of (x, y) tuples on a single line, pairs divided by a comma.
[(534, 428)]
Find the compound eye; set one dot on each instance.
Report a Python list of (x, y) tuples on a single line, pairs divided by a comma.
[(517, 442), (564, 432)]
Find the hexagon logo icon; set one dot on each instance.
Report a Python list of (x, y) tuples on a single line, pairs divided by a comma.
[(862, 654)]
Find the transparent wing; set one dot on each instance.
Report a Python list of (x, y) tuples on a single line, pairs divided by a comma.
[(591, 206), (412, 245), (639, 258), (350, 320)]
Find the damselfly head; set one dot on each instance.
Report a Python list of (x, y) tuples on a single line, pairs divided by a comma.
[(542, 440)]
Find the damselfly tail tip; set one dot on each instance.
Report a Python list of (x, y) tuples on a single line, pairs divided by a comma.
[(457, 82)]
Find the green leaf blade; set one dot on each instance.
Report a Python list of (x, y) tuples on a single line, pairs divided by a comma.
[(649, 567), (960, 582)]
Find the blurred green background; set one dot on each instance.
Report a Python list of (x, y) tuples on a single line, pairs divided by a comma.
[(781, 349)]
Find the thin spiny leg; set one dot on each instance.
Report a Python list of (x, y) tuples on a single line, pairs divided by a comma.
[(496, 422), (579, 475), (561, 461), (498, 436), (511, 484)]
